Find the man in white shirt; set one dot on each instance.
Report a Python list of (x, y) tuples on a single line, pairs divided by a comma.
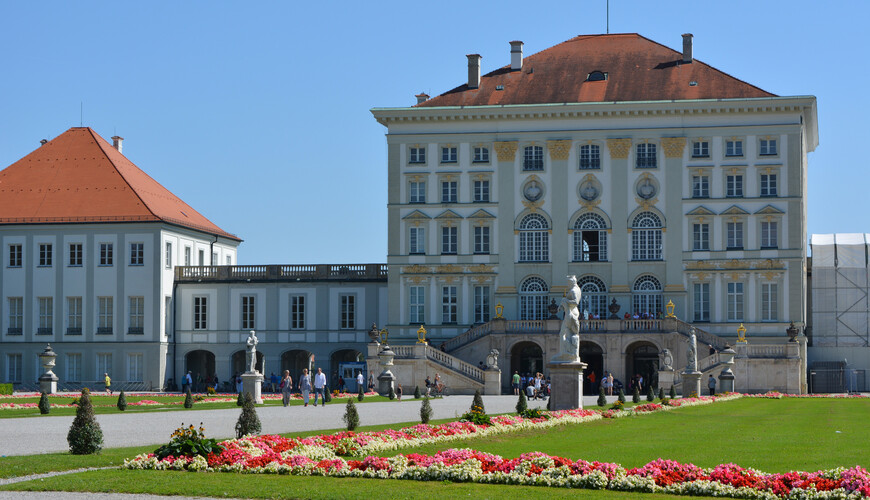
[(360, 381), (319, 384)]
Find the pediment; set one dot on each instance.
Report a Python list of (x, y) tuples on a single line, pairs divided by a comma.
[(702, 210), (448, 214), (769, 210), (481, 214), (734, 210), (416, 215)]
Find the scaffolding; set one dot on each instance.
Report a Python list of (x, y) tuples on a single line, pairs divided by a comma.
[(841, 310)]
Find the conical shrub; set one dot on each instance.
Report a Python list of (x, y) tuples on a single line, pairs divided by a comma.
[(621, 396), (122, 401), (425, 411), (360, 393), (392, 393), (661, 393), (477, 402), (673, 393), (650, 395), (522, 404), (602, 398), (327, 396), (44, 404), (188, 399), (635, 396), (240, 401), (249, 422), (85, 436), (417, 392), (351, 416)]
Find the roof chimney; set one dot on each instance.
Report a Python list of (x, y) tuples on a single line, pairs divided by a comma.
[(117, 142), (516, 55), (473, 70), (43, 142), (687, 48), (421, 98)]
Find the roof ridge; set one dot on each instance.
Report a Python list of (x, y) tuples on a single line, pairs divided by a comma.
[(97, 138)]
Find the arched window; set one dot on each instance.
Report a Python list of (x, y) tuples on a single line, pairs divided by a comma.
[(590, 238), (646, 237), (533, 298), (647, 296), (534, 239), (593, 296)]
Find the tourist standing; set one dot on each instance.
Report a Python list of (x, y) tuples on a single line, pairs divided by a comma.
[(360, 382), (428, 386), (286, 387), (305, 385), (319, 384), (711, 384), (273, 381), (516, 383), (399, 392), (188, 382), (108, 384)]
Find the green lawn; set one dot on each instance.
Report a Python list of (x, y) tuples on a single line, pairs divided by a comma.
[(771, 435)]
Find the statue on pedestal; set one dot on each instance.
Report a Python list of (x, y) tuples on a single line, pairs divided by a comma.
[(251, 355), (667, 360), (569, 333), (692, 353)]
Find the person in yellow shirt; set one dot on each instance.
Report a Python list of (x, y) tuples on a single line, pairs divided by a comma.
[(108, 384)]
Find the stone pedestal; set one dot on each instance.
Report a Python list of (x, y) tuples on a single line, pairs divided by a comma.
[(726, 377), (666, 379), (691, 384), (48, 380), (386, 380), (252, 382), (566, 385), (492, 382)]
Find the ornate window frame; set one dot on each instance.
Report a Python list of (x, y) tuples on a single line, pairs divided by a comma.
[(734, 139)]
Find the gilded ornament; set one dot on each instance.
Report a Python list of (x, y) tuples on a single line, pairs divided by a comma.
[(673, 146), (559, 149), (481, 268), (506, 150), (450, 268), (619, 148)]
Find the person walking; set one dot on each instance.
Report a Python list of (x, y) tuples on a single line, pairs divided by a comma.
[(108, 384), (515, 381), (399, 392), (305, 385), (319, 384), (286, 388), (609, 384), (360, 381), (273, 382), (711, 384)]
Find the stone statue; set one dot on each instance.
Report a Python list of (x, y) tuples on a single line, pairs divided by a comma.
[(569, 333), (251, 358), (492, 360), (667, 360), (692, 353)]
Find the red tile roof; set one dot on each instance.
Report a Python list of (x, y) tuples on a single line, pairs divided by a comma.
[(637, 68), (79, 177)]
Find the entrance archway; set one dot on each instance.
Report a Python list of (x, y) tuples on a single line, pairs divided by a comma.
[(642, 358), (295, 361), (593, 356), (345, 363), (238, 363), (527, 358), (200, 364)]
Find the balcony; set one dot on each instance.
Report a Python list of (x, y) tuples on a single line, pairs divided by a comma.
[(278, 273)]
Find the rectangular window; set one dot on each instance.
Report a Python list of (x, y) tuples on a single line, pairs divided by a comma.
[(735, 236), (734, 186), (16, 315), (417, 242), (768, 185), (449, 240), (481, 240), (700, 186), (734, 148), (700, 149), (46, 315), (45, 254), (481, 191), (186, 256), (416, 305), (167, 316), (533, 158), (417, 192), (201, 255), (137, 254), (700, 236), (75, 254), (297, 312), (417, 155), (135, 362), (104, 365), (646, 155), (767, 147), (590, 157), (214, 258), (348, 311), (448, 154), (167, 258), (769, 235), (137, 316), (74, 367), (735, 302), (200, 313), (449, 191), (229, 260), (106, 250), (481, 155), (769, 304), (106, 315), (702, 302), (73, 315), (15, 255), (248, 312), (481, 304), (448, 305), (14, 363)]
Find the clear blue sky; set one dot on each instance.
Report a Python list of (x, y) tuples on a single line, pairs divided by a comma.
[(257, 113)]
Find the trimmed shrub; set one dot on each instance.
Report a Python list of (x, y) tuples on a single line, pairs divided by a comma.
[(44, 405), (650, 395), (425, 411), (188, 399), (602, 398), (240, 400), (417, 392), (249, 422), (477, 402), (673, 393), (522, 404), (351, 416), (327, 397), (477, 413), (122, 401), (635, 396), (392, 393), (661, 393), (85, 435), (360, 393), (621, 397), (6, 389)]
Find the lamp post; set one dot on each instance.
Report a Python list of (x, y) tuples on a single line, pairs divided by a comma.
[(421, 335), (741, 334), (670, 308)]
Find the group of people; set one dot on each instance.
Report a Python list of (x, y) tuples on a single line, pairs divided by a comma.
[(643, 315), (535, 386), (305, 386), (198, 383), (433, 385)]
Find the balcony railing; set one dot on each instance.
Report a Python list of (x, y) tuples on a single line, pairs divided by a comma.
[(318, 272)]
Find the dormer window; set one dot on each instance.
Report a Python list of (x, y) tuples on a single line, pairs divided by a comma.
[(596, 76)]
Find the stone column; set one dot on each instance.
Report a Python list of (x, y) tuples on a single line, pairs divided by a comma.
[(252, 383), (492, 381), (566, 385)]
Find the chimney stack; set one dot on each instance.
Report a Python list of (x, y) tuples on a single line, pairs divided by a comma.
[(43, 142), (516, 55), (421, 98), (117, 142), (687, 48), (473, 70)]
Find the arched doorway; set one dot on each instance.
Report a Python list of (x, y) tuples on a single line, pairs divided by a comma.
[(593, 356), (346, 363), (527, 358), (642, 358), (295, 361), (238, 363), (200, 364)]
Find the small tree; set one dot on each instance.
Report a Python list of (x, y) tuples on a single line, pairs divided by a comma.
[(621, 396), (478, 402), (360, 393), (44, 404), (650, 395), (602, 398), (122, 401), (240, 400), (417, 392), (673, 393), (425, 411), (522, 404), (249, 422), (327, 397), (635, 396), (351, 416), (85, 435), (661, 393), (188, 399), (392, 393)]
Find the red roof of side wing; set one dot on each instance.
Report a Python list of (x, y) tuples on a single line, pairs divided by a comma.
[(637, 69), (79, 177)]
